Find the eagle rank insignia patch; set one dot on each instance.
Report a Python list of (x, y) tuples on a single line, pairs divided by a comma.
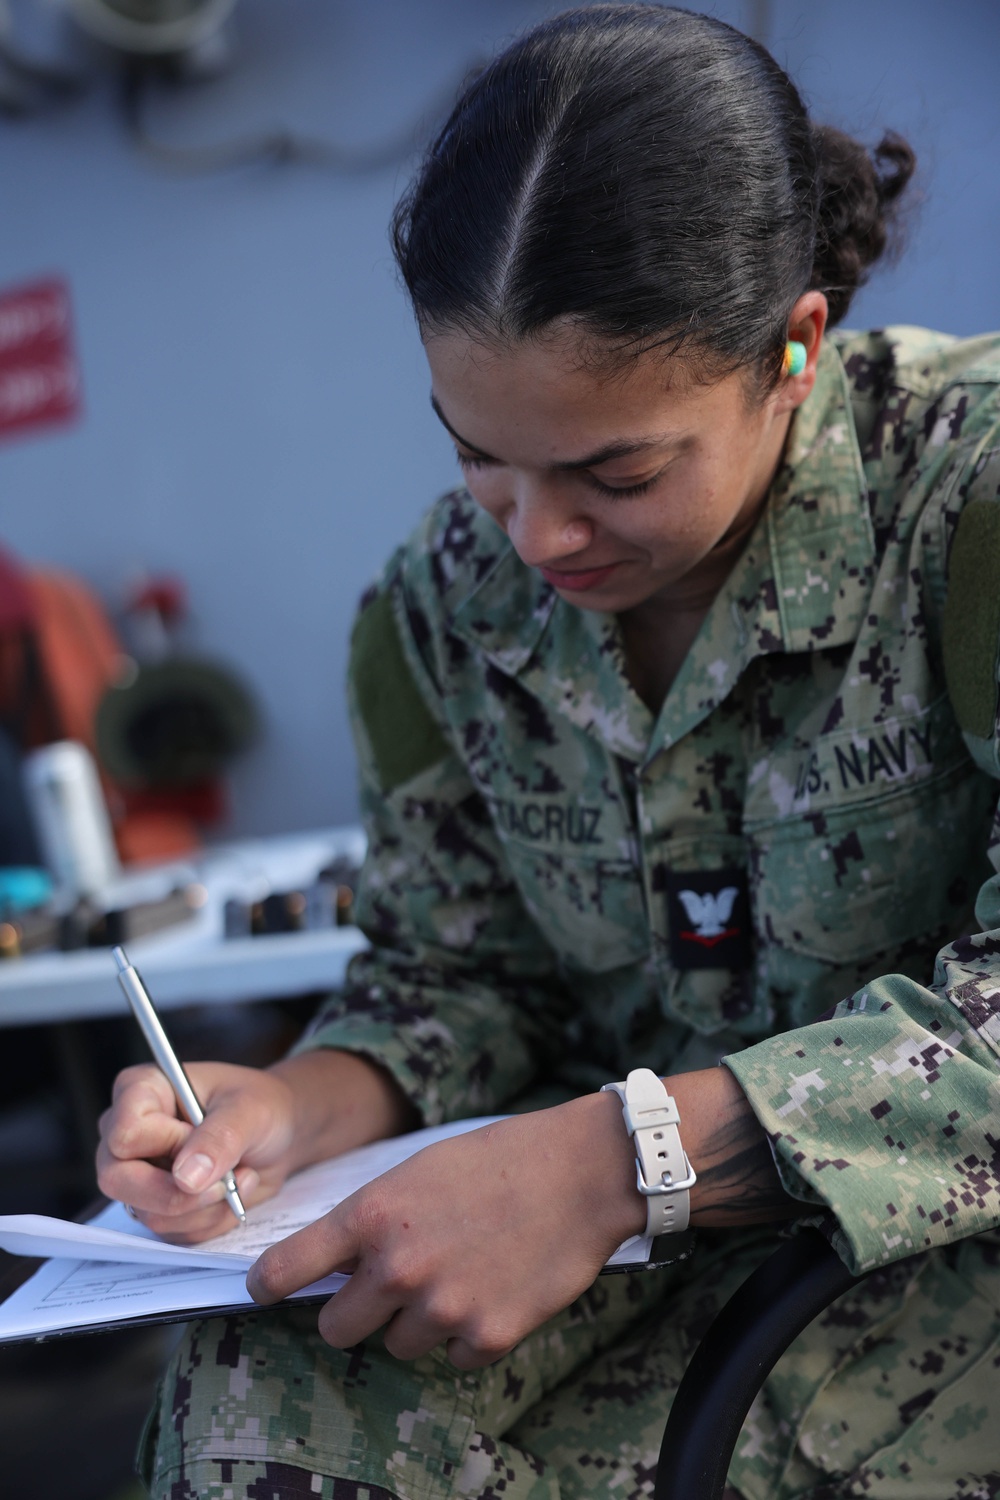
[(709, 919)]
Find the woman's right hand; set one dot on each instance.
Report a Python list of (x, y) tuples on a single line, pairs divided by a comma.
[(265, 1124)]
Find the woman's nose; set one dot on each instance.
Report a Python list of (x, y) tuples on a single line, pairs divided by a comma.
[(544, 532)]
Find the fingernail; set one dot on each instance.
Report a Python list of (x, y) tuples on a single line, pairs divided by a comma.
[(195, 1172), (249, 1181)]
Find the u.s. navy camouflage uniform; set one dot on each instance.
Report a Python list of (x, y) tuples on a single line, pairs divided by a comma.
[(562, 885)]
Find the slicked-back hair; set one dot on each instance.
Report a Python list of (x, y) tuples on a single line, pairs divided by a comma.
[(650, 174)]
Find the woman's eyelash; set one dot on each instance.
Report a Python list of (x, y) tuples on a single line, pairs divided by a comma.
[(613, 492), (622, 492)]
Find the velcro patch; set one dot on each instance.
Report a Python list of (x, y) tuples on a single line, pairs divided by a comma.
[(708, 915), (402, 732), (972, 618)]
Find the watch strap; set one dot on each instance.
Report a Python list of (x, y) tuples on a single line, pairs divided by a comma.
[(663, 1172)]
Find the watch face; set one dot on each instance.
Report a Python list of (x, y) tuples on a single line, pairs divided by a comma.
[(708, 915)]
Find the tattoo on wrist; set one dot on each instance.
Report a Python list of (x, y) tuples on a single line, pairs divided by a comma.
[(738, 1181)]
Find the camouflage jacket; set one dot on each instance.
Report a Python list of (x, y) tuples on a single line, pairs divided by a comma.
[(561, 885)]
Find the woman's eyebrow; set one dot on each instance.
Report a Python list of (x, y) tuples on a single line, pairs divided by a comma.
[(457, 436), (623, 449)]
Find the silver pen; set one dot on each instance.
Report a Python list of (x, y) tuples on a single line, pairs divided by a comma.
[(167, 1061)]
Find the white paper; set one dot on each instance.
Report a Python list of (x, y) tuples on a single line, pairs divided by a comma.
[(67, 1294), (33, 1234), (115, 1268)]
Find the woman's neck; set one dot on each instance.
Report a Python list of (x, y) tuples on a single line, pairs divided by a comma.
[(655, 648), (658, 633)]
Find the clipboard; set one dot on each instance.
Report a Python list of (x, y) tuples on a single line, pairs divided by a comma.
[(667, 1250), (68, 1295)]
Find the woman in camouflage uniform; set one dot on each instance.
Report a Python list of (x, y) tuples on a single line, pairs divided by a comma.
[(677, 730)]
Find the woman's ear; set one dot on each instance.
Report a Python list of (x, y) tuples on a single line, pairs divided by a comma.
[(806, 325)]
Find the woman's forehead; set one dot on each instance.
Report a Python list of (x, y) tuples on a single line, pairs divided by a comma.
[(567, 347), (543, 389)]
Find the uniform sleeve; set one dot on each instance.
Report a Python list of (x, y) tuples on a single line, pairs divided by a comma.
[(457, 996), (888, 1112)]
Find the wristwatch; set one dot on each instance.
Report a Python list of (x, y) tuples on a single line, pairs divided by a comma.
[(663, 1173)]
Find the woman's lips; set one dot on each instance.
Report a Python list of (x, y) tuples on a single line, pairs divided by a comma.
[(577, 580)]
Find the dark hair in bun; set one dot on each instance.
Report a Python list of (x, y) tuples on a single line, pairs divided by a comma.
[(858, 191), (651, 174)]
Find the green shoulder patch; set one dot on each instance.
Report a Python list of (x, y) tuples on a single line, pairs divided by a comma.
[(972, 618), (403, 735)]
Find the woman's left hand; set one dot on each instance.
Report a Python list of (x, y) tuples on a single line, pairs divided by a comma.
[(475, 1241)]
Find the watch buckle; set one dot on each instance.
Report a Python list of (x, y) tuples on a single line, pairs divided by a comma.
[(661, 1189)]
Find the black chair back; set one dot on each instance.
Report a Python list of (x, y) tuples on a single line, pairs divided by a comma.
[(735, 1357)]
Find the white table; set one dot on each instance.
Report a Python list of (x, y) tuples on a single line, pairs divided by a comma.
[(193, 962)]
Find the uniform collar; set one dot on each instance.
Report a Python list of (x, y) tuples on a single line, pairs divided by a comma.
[(820, 541), (801, 583), (804, 578)]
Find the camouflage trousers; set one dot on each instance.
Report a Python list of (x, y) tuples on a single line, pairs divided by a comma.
[(892, 1394)]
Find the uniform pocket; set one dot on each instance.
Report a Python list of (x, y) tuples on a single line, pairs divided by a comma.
[(575, 866), (845, 882)]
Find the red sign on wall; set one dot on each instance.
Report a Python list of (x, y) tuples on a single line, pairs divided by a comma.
[(39, 377)]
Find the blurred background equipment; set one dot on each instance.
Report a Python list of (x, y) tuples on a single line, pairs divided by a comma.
[(174, 723), (153, 27), (135, 752), (71, 818), (169, 725), (169, 44), (173, 720)]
